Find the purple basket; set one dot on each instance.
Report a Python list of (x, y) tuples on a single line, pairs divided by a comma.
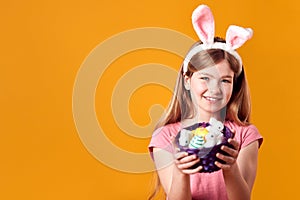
[(207, 155)]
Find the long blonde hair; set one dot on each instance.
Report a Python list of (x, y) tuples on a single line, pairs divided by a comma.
[(181, 107)]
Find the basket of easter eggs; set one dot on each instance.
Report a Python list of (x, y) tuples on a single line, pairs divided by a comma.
[(205, 140)]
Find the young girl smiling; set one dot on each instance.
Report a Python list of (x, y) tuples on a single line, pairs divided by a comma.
[(211, 83)]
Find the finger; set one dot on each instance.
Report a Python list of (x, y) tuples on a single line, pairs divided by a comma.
[(222, 166), (180, 155), (192, 171), (187, 159), (230, 151), (234, 143), (227, 159), (186, 165), (232, 130)]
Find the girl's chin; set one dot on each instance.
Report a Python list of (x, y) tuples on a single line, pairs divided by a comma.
[(212, 107)]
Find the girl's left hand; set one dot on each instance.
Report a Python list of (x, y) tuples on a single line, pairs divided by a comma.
[(232, 156)]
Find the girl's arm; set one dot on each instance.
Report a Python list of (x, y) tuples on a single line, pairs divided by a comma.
[(174, 174), (240, 170)]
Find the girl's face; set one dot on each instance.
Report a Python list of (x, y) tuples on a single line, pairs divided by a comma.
[(211, 89)]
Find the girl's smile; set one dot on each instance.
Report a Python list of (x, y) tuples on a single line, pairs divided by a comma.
[(212, 99)]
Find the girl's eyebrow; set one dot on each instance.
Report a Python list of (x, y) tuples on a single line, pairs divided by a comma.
[(205, 74), (227, 76), (211, 75)]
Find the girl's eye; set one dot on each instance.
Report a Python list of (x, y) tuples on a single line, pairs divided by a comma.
[(226, 81), (204, 78)]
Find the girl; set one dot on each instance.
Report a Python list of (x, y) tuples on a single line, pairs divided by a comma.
[(211, 83)]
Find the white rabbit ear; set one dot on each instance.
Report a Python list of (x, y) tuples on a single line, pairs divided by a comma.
[(204, 24), (236, 36)]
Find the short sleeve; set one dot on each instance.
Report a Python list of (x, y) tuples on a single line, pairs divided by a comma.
[(246, 134), (250, 135), (162, 138)]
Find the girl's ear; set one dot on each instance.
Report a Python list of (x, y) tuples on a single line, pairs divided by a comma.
[(187, 82)]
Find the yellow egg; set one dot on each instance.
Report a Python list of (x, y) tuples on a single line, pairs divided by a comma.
[(200, 131)]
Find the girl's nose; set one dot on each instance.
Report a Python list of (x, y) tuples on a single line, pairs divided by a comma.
[(214, 87)]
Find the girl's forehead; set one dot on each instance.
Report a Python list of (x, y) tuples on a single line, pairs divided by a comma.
[(220, 69)]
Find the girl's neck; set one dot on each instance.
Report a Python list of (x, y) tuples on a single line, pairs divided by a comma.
[(204, 117)]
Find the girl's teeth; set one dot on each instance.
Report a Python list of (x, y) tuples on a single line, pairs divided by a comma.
[(211, 99)]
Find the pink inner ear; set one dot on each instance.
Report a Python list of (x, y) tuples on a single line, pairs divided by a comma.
[(235, 41), (236, 36), (204, 24)]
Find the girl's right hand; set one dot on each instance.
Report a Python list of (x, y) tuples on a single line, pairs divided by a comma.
[(184, 162)]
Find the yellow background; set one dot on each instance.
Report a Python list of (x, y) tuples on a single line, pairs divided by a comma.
[(43, 44)]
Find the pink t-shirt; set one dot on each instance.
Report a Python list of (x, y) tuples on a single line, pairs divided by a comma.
[(204, 185)]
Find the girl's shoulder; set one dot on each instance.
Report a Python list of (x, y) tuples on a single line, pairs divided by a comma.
[(233, 125), (169, 129), (163, 137)]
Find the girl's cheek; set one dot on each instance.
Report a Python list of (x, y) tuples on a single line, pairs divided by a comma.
[(202, 87), (201, 84)]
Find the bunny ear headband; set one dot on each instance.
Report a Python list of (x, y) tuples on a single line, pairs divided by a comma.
[(204, 25)]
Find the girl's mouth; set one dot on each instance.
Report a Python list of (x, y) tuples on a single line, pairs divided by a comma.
[(211, 99)]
